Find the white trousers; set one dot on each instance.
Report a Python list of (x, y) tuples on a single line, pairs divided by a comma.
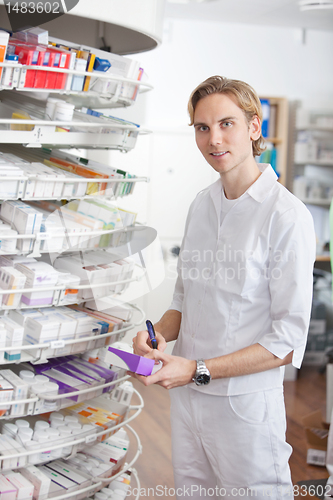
[(230, 446)]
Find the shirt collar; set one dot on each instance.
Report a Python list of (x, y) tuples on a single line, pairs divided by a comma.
[(260, 188), (215, 193)]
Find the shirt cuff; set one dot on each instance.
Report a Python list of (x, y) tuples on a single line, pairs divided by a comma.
[(280, 349), (177, 304)]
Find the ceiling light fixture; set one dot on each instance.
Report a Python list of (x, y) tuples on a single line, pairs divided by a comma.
[(315, 4)]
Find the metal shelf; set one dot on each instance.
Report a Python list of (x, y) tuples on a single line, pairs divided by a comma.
[(62, 288), (60, 344), (89, 98), (108, 193), (68, 395), (323, 163), (86, 440), (80, 246), (128, 27), (104, 136), (103, 482)]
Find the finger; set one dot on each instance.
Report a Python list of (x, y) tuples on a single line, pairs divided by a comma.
[(158, 355), (141, 378), (147, 380), (161, 343), (140, 345)]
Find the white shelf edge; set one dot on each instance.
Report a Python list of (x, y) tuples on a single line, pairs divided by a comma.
[(59, 396), (74, 341), (109, 193), (97, 232), (64, 288), (314, 128), (25, 357), (82, 440), (328, 163), (102, 482)]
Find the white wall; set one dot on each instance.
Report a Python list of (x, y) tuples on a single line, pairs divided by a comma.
[(273, 60)]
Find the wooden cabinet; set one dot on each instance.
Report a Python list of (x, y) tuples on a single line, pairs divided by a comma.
[(275, 132)]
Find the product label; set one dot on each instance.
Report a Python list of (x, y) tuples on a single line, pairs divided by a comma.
[(55, 344), (316, 457), (91, 438)]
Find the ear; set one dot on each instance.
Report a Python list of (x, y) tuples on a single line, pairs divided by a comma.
[(255, 128)]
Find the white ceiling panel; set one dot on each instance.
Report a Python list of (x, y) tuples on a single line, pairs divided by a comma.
[(268, 12)]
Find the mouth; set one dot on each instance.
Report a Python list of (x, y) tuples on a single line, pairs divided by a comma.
[(218, 154)]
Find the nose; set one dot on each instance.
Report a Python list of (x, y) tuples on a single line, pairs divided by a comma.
[(215, 136)]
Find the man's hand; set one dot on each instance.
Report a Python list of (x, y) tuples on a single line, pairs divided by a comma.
[(142, 344), (176, 371)]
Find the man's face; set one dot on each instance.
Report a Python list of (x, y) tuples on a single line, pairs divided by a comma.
[(223, 134)]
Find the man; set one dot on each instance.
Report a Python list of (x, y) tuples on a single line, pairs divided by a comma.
[(240, 310)]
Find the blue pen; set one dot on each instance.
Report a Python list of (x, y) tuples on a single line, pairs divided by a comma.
[(151, 332)]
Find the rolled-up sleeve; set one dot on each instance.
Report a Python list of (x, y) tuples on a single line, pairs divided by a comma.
[(292, 256)]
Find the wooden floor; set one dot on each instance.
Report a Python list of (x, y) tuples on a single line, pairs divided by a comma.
[(154, 467)]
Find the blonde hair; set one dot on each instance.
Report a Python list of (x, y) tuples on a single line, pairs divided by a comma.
[(246, 98)]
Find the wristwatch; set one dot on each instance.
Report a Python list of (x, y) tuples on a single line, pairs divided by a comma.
[(202, 374)]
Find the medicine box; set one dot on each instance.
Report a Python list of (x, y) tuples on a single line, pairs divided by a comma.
[(41, 330), (21, 389), (39, 480), (14, 338), (10, 188), (3, 339), (69, 294), (24, 488), (6, 394), (58, 482), (129, 361), (67, 326), (11, 279), (6, 448), (14, 445), (7, 490), (316, 431), (20, 315), (65, 469), (67, 384), (8, 238), (39, 274)]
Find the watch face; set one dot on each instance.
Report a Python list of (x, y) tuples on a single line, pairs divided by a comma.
[(203, 379)]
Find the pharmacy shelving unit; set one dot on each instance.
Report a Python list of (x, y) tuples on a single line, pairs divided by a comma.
[(129, 28), (314, 146), (279, 139), (126, 26), (312, 171)]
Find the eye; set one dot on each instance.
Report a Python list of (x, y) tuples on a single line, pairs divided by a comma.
[(201, 128), (226, 124)]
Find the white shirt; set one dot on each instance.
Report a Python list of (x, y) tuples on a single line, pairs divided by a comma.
[(246, 281), (226, 205)]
